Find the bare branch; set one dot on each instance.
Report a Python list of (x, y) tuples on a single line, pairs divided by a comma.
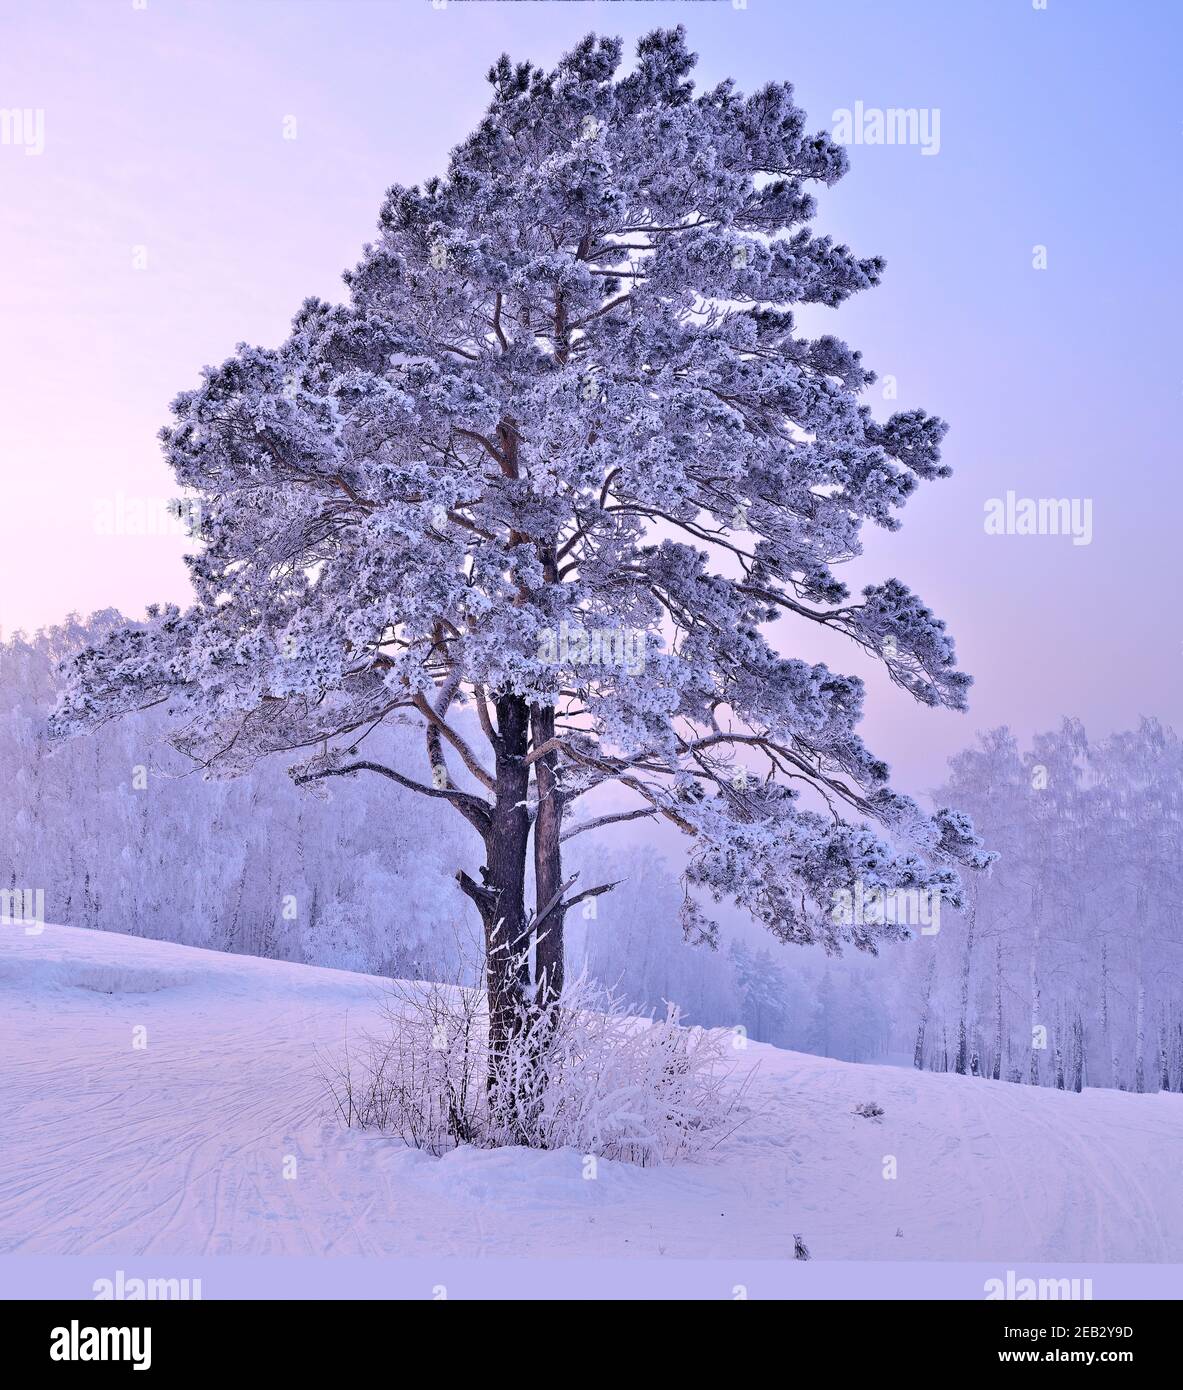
[(591, 893), (645, 812), (475, 810)]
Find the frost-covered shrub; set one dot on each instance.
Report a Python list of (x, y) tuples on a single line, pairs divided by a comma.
[(587, 1074), (423, 1080)]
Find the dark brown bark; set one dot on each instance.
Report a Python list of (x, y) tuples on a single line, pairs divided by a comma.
[(506, 936), (549, 911), (500, 897), (548, 867)]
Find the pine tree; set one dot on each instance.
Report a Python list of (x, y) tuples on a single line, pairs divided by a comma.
[(824, 1026), (539, 486), (764, 989)]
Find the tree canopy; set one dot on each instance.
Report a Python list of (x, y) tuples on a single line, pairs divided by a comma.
[(567, 395)]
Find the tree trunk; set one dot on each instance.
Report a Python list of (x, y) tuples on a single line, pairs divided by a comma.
[(500, 898), (963, 1022), (997, 1068), (1106, 1026), (1036, 1002), (548, 818), (1140, 1036), (1164, 1069), (926, 998), (1140, 1013), (548, 867)]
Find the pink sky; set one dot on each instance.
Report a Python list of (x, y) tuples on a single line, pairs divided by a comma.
[(164, 148)]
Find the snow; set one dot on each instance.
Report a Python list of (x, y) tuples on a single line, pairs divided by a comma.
[(180, 1146)]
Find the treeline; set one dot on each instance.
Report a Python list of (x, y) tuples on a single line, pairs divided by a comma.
[(120, 834), (1064, 969)]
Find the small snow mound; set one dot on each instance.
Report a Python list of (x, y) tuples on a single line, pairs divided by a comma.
[(89, 975), (113, 980)]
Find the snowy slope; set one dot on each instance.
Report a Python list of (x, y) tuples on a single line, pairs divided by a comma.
[(179, 1147)]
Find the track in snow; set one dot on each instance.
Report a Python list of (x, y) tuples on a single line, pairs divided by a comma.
[(180, 1147)]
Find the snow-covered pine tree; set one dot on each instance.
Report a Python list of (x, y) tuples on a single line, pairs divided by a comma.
[(763, 990), (539, 485), (826, 1020)]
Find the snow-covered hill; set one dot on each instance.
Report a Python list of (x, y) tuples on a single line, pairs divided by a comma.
[(181, 1144)]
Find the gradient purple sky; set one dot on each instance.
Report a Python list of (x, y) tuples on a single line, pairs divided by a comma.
[(164, 130)]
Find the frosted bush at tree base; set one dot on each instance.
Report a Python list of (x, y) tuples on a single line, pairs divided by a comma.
[(587, 1074)]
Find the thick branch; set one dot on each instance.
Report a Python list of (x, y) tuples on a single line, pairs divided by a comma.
[(644, 813), (603, 309), (477, 812), (483, 897), (468, 757), (482, 710)]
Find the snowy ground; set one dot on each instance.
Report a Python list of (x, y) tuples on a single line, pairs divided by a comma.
[(179, 1147)]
